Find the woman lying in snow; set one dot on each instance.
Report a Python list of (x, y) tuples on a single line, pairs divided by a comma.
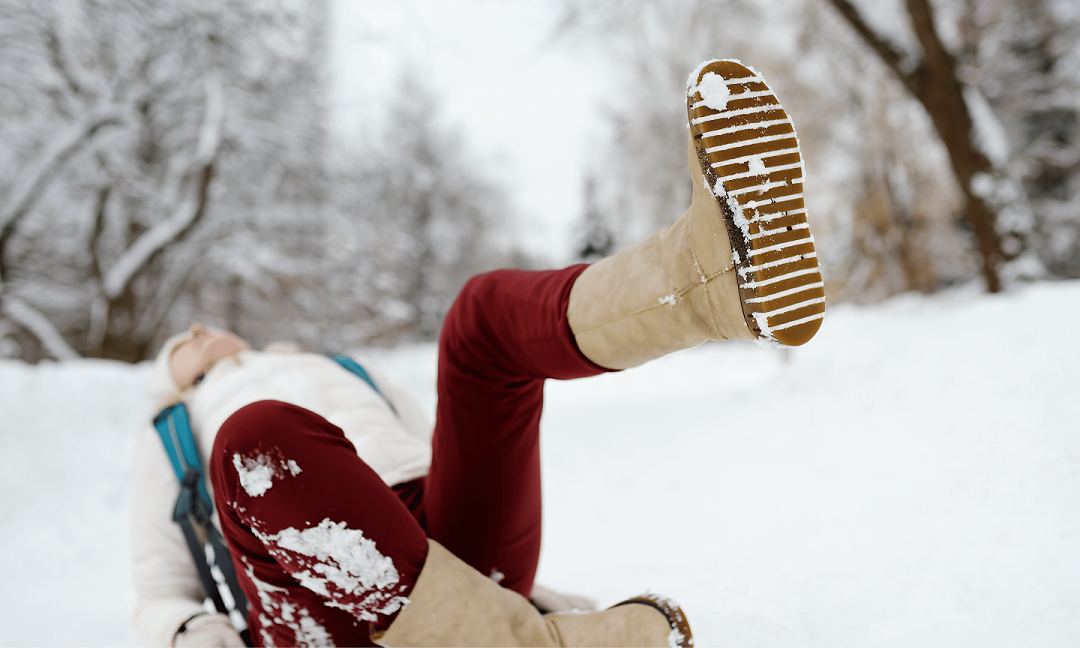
[(346, 525)]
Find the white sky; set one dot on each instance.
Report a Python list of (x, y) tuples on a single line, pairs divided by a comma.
[(524, 100)]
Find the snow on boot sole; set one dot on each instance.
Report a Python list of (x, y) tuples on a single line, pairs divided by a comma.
[(750, 158), (680, 636)]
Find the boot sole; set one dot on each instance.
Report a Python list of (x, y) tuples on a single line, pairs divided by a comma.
[(749, 154), (680, 636)]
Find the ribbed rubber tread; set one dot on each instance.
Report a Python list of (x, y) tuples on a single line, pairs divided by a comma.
[(680, 636), (750, 157)]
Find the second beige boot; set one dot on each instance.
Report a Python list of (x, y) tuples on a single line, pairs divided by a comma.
[(739, 264), (452, 604)]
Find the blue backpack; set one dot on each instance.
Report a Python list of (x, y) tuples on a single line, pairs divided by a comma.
[(194, 507)]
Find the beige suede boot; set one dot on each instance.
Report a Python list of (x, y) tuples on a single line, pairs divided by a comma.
[(739, 264), (452, 604)]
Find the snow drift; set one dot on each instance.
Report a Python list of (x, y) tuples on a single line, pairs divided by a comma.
[(912, 476)]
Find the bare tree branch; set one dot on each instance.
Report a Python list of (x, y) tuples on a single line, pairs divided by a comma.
[(29, 188), (889, 53), (190, 210), (39, 326), (99, 326), (99, 227), (936, 86), (176, 277), (59, 60), (99, 307)]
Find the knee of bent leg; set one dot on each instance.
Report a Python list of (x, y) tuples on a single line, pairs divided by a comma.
[(264, 430), (253, 425), (475, 290), (461, 322)]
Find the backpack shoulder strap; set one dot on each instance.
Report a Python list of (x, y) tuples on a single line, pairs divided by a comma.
[(354, 367), (194, 508), (174, 428)]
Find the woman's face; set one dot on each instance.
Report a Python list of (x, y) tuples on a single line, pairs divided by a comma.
[(192, 358)]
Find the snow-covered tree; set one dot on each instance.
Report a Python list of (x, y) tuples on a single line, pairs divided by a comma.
[(412, 222), (1023, 57), (145, 145), (882, 186), (642, 177), (936, 149)]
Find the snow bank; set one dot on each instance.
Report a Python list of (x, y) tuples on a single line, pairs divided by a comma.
[(911, 477), (67, 440)]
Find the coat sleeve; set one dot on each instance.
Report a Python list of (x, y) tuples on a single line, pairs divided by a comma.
[(417, 422), (167, 586)]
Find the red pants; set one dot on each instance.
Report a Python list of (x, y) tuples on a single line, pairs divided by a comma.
[(328, 548)]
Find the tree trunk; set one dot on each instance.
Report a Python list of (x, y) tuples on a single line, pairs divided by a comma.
[(935, 84)]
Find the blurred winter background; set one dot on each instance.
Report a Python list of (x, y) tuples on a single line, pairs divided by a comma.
[(331, 172)]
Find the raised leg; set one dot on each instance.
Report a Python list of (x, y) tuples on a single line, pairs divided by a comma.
[(740, 264), (506, 333)]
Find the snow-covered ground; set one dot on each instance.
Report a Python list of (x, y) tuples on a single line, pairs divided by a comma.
[(911, 477)]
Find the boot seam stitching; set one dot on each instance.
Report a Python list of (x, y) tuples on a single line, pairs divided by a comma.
[(679, 292), (708, 300), (554, 628), (704, 280)]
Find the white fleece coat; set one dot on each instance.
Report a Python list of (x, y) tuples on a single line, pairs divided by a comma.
[(397, 447)]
